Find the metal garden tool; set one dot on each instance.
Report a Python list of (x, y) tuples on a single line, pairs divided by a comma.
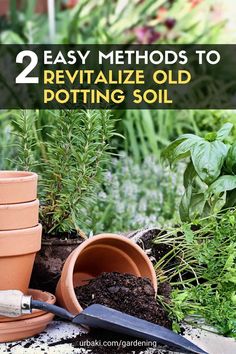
[(13, 304)]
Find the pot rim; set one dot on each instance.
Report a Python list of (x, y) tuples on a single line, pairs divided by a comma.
[(25, 231), (20, 242), (17, 176), (59, 242), (19, 205)]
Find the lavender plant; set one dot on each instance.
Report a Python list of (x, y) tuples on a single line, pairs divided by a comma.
[(136, 196)]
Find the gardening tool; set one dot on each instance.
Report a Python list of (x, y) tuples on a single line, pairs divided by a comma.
[(13, 304)]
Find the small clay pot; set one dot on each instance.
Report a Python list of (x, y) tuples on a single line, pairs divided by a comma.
[(17, 253), (102, 253), (49, 263), (19, 216), (17, 187)]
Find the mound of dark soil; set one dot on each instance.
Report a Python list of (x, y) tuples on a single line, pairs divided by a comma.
[(126, 293), (129, 294)]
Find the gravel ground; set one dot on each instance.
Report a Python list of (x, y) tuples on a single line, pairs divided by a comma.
[(47, 342)]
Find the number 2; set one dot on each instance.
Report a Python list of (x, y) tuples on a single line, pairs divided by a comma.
[(23, 77)]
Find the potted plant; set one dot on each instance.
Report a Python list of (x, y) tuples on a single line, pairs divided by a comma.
[(69, 150)]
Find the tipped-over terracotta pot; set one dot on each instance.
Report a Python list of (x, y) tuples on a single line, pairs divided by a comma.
[(102, 253), (17, 187), (17, 253), (19, 216)]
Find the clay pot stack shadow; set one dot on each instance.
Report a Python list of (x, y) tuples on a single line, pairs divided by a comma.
[(20, 232)]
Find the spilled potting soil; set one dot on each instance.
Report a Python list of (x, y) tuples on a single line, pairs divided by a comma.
[(126, 293)]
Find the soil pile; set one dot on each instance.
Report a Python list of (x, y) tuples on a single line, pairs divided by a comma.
[(126, 293)]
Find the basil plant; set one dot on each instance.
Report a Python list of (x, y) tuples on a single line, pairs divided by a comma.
[(210, 176)]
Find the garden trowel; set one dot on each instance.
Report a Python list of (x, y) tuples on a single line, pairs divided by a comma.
[(13, 304)]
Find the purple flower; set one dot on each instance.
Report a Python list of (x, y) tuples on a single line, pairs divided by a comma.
[(147, 35), (170, 23)]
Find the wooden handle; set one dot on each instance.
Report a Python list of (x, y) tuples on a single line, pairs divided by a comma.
[(13, 303)]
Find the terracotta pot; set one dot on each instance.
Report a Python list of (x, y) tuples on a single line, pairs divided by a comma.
[(102, 253), (69, 4), (17, 187), (18, 330), (17, 253), (49, 263), (4, 6), (19, 216), (41, 6), (36, 295)]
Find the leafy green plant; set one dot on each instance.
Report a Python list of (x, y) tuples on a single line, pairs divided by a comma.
[(201, 267), (23, 25), (136, 196), (114, 22), (209, 178), (149, 131), (212, 120), (6, 140), (25, 142), (70, 164)]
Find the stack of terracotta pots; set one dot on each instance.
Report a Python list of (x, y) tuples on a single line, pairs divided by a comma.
[(20, 232), (20, 239)]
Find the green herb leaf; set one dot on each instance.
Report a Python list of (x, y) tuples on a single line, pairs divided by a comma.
[(231, 199), (185, 204), (222, 184), (211, 136), (231, 159), (208, 158), (188, 233), (180, 148), (197, 205), (224, 131), (189, 174)]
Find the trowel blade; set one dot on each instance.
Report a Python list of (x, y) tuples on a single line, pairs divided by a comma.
[(99, 316)]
